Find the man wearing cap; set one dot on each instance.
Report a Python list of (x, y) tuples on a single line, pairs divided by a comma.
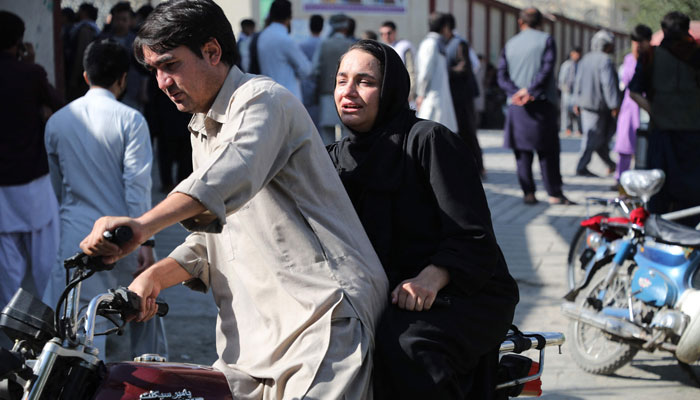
[(324, 65), (597, 100)]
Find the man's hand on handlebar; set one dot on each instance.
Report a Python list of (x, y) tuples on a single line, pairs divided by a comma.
[(148, 289), (96, 245)]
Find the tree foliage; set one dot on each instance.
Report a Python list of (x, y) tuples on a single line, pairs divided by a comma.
[(650, 12)]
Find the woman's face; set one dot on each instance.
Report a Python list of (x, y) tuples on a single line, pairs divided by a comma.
[(357, 89)]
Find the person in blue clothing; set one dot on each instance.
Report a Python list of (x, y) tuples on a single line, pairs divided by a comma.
[(278, 55)]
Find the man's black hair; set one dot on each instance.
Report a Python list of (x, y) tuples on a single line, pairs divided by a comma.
[(675, 25), (389, 24), (531, 17), (11, 30), (69, 14), (105, 62), (280, 10), (145, 11), (578, 49), (641, 33), (316, 23), (89, 10), (437, 21), (451, 21), (187, 23), (351, 27), (247, 23), (122, 6)]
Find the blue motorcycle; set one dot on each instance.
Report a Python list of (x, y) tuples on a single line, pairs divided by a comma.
[(640, 289)]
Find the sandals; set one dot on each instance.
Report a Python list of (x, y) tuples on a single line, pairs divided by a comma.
[(560, 200), (530, 199)]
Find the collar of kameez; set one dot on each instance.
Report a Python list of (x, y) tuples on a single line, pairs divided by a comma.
[(102, 92), (218, 110)]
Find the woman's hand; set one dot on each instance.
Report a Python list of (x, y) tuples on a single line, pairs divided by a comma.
[(418, 294)]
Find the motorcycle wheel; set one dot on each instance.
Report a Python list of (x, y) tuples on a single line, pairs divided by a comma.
[(575, 269), (593, 350)]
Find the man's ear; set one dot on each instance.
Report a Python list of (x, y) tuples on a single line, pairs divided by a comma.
[(122, 80), (86, 78), (211, 51)]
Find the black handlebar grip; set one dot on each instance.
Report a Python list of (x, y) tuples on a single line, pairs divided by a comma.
[(119, 235), (163, 308)]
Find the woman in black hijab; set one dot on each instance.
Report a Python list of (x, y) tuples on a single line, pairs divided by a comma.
[(416, 189)]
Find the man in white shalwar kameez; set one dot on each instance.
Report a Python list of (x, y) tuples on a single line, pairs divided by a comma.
[(274, 235), (100, 161), (433, 97)]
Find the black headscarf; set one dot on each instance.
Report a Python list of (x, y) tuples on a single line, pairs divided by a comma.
[(371, 164), (373, 159)]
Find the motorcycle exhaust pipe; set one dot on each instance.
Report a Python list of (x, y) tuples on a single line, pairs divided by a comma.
[(612, 325)]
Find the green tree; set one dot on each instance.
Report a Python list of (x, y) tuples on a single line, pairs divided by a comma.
[(650, 12)]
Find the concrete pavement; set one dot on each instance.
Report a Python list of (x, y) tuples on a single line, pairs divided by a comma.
[(534, 240)]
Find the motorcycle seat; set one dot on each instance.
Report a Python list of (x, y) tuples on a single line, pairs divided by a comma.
[(671, 232)]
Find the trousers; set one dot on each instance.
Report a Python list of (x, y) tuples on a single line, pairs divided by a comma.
[(598, 128), (549, 166)]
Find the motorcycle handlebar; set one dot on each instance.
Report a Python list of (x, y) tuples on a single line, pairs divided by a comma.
[(118, 236), (129, 303)]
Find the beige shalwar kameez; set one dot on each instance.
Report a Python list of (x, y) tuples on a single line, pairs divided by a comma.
[(297, 283)]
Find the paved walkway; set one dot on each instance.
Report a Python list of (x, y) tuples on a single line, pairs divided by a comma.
[(534, 240)]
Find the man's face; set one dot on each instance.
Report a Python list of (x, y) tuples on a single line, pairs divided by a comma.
[(121, 23), (357, 90), (387, 34), (575, 56), (184, 77), (446, 32)]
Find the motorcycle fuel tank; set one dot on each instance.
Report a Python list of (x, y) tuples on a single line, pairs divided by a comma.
[(664, 273), (162, 381)]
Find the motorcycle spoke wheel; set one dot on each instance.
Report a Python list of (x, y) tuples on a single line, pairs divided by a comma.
[(593, 350)]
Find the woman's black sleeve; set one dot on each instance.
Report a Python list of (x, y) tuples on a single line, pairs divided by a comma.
[(468, 247)]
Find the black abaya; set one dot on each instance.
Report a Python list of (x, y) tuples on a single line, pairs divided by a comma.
[(416, 189)]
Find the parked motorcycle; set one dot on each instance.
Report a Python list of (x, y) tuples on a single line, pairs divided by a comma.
[(53, 357), (640, 289)]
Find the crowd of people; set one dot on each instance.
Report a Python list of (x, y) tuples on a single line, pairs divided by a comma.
[(333, 197), (599, 102), (445, 72), (76, 161), (653, 83)]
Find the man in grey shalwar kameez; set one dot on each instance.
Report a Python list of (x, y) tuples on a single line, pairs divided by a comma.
[(526, 74), (274, 235), (597, 99)]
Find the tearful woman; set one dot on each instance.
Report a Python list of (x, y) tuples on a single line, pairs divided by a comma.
[(416, 188)]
